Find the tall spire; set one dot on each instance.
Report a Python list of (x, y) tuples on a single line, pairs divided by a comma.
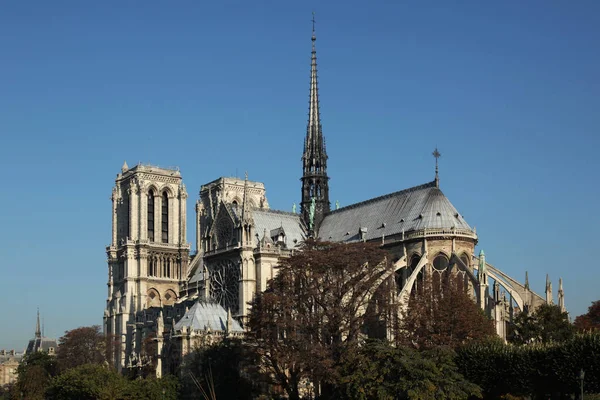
[(315, 182), (38, 331)]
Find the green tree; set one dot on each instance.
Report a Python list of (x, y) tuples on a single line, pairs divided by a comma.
[(378, 370), (314, 309), (84, 345), (98, 382), (590, 320), (34, 375), (545, 324), (441, 312)]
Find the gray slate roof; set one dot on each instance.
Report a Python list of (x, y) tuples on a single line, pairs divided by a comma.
[(412, 209), (207, 315), (273, 219), (41, 344)]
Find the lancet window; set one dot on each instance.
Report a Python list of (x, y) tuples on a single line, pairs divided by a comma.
[(151, 216), (165, 218)]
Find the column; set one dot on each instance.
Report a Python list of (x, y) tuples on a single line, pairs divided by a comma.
[(114, 217), (143, 215), (133, 211)]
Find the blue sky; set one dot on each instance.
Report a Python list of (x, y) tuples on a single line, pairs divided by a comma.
[(509, 92)]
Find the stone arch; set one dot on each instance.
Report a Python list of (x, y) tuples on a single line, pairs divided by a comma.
[(153, 298), (170, 297), (167, 189), (152, 188)]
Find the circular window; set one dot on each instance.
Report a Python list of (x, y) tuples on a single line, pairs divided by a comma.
[(440, 262)]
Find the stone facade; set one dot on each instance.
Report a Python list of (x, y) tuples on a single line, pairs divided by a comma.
[(148, 256), (9, 362), (153, 281)]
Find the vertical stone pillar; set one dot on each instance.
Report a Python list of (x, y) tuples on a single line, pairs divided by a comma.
[(199, 209), (114, 199), (182, 218), (133, 211), (143, 215)]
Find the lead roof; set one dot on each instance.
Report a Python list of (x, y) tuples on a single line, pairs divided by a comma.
[(412, 209)]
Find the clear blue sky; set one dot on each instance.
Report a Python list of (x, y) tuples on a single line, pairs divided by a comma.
[(508, 91)]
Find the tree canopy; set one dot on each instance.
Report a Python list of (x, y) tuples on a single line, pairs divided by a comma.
[(441, 312), (545, 324), (314, 308), (590, 320), (84, 345), (378, 370)]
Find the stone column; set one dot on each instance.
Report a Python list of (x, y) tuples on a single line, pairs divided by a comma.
[(133, 211), (114, 199), (143, 216), (199, 210)]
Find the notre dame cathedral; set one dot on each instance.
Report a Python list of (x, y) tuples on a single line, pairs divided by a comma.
[(159, 291)]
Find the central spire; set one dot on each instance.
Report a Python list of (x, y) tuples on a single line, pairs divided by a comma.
[(315, 182)]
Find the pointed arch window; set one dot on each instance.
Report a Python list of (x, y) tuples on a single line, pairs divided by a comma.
[(151, 216), (165, 218)]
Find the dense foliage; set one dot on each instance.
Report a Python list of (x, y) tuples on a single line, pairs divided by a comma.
[(315, 309), (378, 370), (590, 320), (84, 345), (97, 382), (441, 313), (229, 368), (541, 370), (544, 325)]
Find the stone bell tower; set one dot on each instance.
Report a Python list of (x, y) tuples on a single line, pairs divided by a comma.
[(148, 255)]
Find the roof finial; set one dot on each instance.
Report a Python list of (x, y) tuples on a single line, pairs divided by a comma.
[(437, 155), (314, 36)]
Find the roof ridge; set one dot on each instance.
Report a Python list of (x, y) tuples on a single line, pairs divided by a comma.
[(386, 196), (270, 210)]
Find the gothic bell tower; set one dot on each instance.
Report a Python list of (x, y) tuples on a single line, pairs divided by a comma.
[(148, 253), (315, 182)]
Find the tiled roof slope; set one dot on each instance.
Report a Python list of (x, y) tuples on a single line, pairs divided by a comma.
[(408, 210), (270, 220)]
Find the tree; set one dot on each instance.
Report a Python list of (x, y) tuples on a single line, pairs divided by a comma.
[(34, 374), (84, 345), (545, 324), (380, 371), (591, 320), (229, 367), (98, 382), (314, 309), (440, 312)]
